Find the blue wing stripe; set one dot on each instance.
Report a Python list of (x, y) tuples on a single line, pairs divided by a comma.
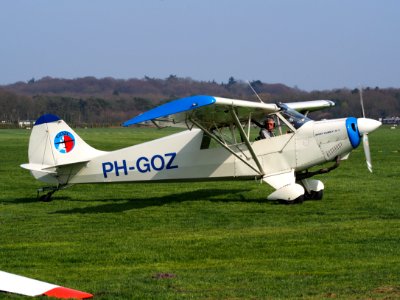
[(170, 108)]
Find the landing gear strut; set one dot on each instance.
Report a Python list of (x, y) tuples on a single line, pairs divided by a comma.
[(314, 189), (308, 174)]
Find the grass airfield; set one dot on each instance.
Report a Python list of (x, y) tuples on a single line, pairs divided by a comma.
[(214, 240)]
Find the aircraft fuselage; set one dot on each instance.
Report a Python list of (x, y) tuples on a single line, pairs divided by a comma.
[(179, 157)]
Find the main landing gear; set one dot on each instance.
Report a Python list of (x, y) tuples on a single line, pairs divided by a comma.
[(313, 189), (296, 193), (304, 188)]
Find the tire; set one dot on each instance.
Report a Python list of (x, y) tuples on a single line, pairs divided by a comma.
[(314, 195), (318, 195)]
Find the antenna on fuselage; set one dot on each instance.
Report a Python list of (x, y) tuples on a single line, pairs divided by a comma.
[(248, 82)]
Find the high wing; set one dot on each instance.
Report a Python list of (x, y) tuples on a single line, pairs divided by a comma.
[(12, 283), (213, 112), (208, 110), (307, 106)]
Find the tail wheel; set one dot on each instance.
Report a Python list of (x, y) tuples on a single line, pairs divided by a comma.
[(46, 197)]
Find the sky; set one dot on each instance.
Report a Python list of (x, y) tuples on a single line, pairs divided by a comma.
[(309, 44)]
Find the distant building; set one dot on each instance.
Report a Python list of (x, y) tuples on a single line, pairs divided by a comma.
[(26, 124), (390, 120)]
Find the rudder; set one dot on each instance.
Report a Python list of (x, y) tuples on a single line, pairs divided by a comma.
[(52, 144)]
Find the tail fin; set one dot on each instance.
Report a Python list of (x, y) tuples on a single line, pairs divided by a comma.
[(52, 144)]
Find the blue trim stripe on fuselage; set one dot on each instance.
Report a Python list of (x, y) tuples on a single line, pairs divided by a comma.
[(352, 132), (170, 108)]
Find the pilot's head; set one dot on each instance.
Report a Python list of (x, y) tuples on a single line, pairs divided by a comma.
[(269, 123)]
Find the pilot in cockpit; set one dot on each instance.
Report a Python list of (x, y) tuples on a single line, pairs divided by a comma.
[(267, 128)]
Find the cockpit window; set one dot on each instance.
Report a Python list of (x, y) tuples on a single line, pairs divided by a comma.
[(294, 117)]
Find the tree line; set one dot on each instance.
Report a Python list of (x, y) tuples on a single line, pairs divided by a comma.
[(90, 101)]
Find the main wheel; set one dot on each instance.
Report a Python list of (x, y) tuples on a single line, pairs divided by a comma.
[(314, 195), (299, 199), (318, 195)]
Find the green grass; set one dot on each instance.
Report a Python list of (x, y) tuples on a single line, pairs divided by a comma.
[(216, 240)]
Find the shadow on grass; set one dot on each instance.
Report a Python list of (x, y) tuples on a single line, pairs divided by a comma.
[(34, 199), (139, 203)]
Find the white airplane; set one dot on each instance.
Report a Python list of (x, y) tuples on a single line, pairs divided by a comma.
[(11, 283), (217, 144)]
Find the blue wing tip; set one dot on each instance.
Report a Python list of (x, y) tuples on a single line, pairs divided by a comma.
[(173, 107), (47, 118)]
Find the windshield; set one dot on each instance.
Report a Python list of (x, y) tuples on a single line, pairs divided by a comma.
[(294, 117)]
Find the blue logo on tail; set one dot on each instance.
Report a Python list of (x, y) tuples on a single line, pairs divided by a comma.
[(64, 142)]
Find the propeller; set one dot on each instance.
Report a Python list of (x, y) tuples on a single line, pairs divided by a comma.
[(365, 126)]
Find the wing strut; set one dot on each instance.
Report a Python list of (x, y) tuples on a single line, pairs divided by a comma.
[(245, 138), (215, 138)]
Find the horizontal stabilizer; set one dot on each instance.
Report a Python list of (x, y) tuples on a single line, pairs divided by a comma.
[(49, 169), (39, 168)]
